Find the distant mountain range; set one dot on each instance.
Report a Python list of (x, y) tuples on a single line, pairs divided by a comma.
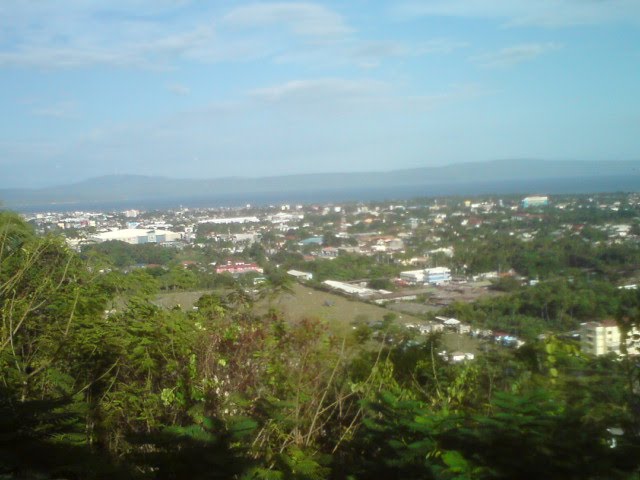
[(130, 188)]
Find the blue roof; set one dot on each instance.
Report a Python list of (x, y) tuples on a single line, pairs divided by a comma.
[(312, 240)]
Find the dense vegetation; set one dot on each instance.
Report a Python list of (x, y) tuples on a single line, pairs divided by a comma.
[(226, 392)]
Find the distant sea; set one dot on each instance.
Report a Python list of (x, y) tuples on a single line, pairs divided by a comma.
[(550, 186)]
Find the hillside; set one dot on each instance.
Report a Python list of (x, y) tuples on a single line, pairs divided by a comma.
[(459, 177)]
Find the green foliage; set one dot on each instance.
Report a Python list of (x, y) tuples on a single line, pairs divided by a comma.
[(205, 451), (524, 436), (506, 284), (381, 284), (557, 305), (122, 254), (349, 267), (232, 391), (39, 438)]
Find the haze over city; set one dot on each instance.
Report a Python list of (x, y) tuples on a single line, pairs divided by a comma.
[(210, 89)]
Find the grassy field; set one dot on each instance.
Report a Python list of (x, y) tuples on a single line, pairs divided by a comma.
[(186, 300), (333, 308), (336, 310), (305, 302)]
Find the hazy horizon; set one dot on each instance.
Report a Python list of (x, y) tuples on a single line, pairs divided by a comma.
[(516, 162), (184, 89)]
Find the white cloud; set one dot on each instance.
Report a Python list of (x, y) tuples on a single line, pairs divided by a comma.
[(373, 53), (509, 56), (318, 90), (45, 57), (154, 34), (543, 13), (60, 110), (178, 89), (332, 98), (300, 18), (153, 50), (75, 34)]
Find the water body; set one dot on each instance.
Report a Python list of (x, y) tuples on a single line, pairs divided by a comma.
[(577, 185)]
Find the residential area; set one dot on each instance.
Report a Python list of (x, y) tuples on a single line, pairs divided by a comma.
[(434, 264)]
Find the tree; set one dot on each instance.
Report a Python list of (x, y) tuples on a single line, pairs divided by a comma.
[(381, 284)]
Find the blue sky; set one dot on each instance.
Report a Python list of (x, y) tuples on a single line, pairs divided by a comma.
[(228, 88)]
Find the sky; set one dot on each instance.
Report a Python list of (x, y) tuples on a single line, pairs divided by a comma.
[(206, 89)]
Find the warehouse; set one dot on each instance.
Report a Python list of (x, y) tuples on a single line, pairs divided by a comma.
[(437, 275), (137, 236), (413, 277)]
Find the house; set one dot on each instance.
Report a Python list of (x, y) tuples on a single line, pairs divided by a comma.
[(425, 328), (451, 323), (456, 357), (464, 328), (329, 252)]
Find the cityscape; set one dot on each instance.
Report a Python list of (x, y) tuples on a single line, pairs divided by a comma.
[(412, 248), (320, 240)]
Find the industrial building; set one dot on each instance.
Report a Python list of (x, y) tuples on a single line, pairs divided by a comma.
[(437, 275), (535, 201), (300, 275), (413, 277), (433, 276), (137, 236), (349, 288)]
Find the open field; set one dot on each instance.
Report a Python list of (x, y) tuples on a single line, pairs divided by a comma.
[(186, 300), (412, 308), (461, 292), (333, 308), (337, 310)]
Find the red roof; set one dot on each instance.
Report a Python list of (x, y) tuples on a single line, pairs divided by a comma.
[(239, 267)]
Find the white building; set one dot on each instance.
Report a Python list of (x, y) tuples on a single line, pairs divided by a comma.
[(456, 357), (230, 220), (535, 201), (412, 276), (137, 236), (285, 217), (300, 275), (433, 276), (349, 289), (447, 251), (437, 275), (601, 338)]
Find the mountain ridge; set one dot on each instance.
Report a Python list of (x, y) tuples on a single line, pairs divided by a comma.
[(125, 187)]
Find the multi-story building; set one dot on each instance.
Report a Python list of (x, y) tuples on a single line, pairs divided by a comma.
[(601, 338), (437, 275), (434, 276)]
